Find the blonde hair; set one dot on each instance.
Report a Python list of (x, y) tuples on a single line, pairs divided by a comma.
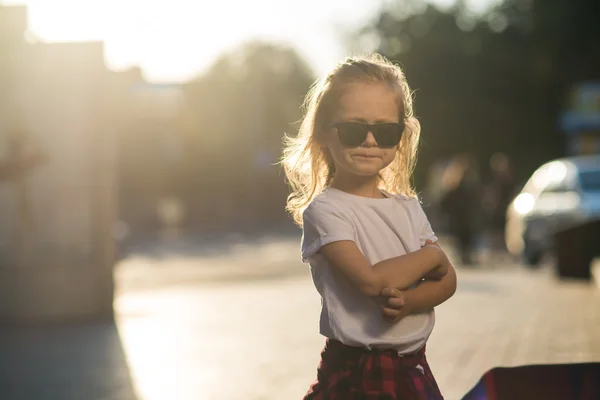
[(309, 167)]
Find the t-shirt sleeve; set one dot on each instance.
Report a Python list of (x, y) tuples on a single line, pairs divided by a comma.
[(322, 224), (426, 232)]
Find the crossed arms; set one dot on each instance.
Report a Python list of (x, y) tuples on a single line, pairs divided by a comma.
[(395, 278)]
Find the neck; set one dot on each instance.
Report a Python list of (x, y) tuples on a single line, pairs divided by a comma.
[(366, 186)]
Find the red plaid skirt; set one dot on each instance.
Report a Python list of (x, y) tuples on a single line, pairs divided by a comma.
[(354, 373)]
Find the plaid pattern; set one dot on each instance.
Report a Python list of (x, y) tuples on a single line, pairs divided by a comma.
[(353, 373)]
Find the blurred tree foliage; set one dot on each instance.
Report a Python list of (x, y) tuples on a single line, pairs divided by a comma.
[(234, 121), (484, 83), (491, 82)]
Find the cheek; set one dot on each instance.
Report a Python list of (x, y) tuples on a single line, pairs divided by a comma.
[(337, 151), (327, 145), (390, 156), (339, 154)]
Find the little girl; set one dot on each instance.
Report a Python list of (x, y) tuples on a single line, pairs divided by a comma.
[(373, 256)]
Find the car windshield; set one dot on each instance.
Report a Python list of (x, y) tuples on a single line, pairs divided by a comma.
[(590, 180)]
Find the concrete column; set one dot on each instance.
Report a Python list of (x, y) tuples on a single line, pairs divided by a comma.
[(57, 220)]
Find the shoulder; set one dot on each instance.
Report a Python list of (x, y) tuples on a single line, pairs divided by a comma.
[(325, 202), (325, 208), (412, 202), (324, 221)]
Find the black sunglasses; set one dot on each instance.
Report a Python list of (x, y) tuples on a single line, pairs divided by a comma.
[(353, 134)]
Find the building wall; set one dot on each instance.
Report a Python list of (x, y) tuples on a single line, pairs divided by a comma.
[(55, 223)]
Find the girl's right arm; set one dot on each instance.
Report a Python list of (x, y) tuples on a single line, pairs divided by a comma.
[(400, 272), (327, 230)]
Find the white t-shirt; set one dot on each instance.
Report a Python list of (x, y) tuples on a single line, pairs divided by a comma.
[(382, 229)]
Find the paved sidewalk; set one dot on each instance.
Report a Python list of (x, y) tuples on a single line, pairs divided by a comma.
[(177, 264), (500, 316), (512, 317), (263, 335), (214, 328)]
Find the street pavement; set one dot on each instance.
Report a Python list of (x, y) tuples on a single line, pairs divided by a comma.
[(242, 324)]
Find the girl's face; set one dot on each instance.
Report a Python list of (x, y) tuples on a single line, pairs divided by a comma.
[(365, 103)]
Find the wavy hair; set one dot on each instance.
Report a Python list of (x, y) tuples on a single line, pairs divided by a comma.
[(309, 167)]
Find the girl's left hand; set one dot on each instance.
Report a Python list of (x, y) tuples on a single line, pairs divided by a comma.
[(395, 307)]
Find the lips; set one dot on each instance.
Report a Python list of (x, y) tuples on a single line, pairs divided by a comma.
[(365, 155)]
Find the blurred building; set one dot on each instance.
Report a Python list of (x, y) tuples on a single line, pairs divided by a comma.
[(201, 155), (150, 157), (581, 120), (56, 252)]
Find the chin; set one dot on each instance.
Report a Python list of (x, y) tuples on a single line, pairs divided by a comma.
[(364, 172)]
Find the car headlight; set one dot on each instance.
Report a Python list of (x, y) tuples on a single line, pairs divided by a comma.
[(524, 203)]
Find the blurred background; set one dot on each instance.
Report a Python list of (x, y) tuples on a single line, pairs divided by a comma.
[(139, 143)]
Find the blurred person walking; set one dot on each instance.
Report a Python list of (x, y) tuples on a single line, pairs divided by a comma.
[(460, 205), (498, 193)]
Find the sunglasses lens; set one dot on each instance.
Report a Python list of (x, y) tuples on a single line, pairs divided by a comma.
[(352, 135), (388, 135)]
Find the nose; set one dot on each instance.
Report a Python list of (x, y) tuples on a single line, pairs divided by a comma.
[(369, 140)]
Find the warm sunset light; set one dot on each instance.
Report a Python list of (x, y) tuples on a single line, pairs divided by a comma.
[(299, 199), (176, 39)]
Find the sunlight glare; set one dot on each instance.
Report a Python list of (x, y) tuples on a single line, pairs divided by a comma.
[(175, 40)]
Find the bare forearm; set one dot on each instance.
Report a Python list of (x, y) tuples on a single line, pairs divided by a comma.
[(404, 271), (431, 293)]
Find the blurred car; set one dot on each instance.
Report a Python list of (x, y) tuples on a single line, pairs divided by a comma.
[(560, 194)]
